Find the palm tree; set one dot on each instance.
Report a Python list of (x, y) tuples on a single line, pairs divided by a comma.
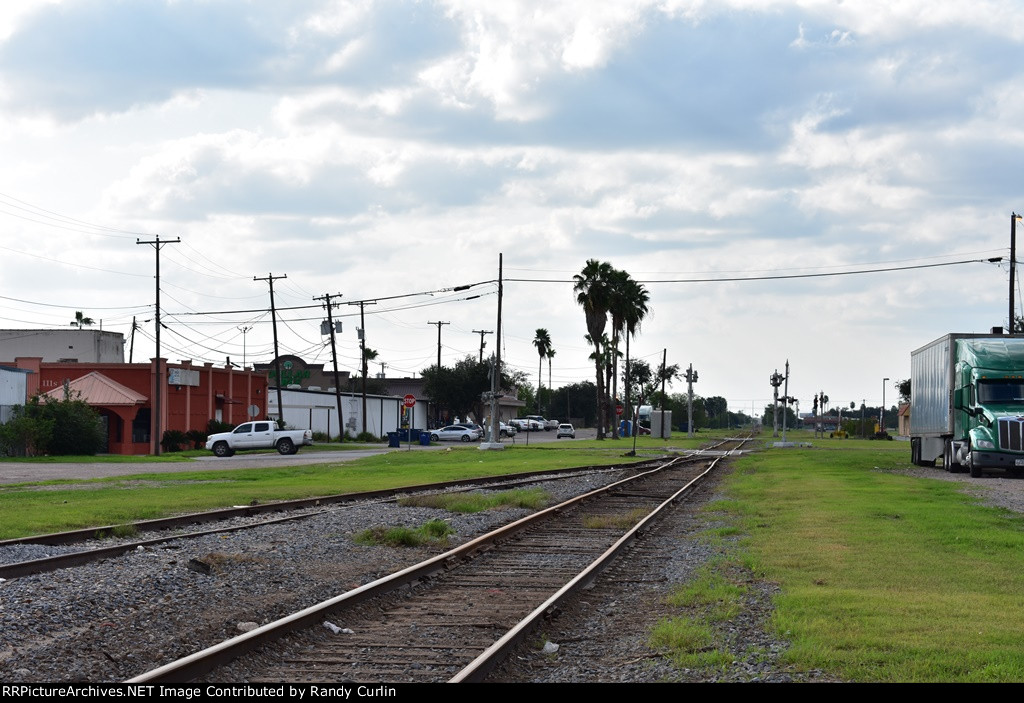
[(549, 355), (619, 309), (635, 314), (592, 289), (81, 319), (542, 341)]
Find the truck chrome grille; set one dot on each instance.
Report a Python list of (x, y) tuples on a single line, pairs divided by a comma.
[(1011, 433)]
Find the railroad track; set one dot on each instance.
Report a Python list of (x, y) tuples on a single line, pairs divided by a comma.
[(100, 542), (453, 623)]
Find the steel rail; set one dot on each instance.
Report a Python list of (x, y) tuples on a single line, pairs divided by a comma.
[(482, 665), (204, 661), (90, 533), (61, 561)]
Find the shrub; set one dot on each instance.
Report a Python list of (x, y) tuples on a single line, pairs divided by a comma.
[(216, 427), (173, 440), (197, 438), (47, 426)]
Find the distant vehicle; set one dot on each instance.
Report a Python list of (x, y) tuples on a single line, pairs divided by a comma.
[(967, 403), (473, 426), (507, 430), (258, 435), (566, 430), (455, 433), (526, 424), (544, 424)]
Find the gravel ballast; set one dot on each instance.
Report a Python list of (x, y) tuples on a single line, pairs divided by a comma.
[(118, 618)]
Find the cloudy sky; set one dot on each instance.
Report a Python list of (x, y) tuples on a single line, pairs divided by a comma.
[(720, 152)]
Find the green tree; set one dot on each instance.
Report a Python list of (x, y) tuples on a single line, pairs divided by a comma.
[(45, 425), (542, 341), (717, 408), (636, 310), (576, 401), (81, 320), (550, 355), (903, 388), (27, 432), (458, 389), (592, 287), (769, 413), (677, 403)]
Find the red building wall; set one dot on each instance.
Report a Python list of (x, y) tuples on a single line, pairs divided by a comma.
[(224, 394)]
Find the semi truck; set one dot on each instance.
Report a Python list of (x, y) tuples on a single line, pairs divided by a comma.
[(967, 403)]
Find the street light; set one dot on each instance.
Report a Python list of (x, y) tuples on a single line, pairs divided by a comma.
[(1014, 217), (881, 415)]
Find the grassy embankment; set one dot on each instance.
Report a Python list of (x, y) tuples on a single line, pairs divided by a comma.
[(51, 506), (883, 576)]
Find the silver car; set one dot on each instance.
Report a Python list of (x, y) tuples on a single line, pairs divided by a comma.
[(455, 433), (566, 430)]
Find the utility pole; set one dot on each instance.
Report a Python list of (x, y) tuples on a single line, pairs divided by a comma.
[(277, 357), (495, 434), (482, 333), (362, 351), (664, 362), (691, 378), (439, 341), (244, 329), (156, 436), (131, 347), (334, 355)]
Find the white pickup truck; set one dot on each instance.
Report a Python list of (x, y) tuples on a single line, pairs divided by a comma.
[(258, 435)]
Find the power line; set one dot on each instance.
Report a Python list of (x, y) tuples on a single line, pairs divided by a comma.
[(731, 279)]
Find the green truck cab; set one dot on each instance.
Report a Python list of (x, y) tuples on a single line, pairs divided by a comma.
[(967, 403)]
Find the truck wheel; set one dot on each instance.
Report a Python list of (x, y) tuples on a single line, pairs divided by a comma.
[(948, 461), (286, 446), (222, 450), (971, 465)]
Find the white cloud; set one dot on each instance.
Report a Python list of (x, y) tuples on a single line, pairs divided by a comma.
[(381, 147)]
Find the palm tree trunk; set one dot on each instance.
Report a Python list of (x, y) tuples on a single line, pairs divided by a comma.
[(615, 383)]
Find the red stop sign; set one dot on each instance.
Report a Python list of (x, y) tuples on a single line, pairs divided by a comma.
[(618, 409), (409, 400)]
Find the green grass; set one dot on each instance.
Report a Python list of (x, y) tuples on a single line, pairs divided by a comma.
[(690, 644), (432, 532), (711, 591), (477, 501), (694, 637), (884, 577), (185, 455), (50, 506)]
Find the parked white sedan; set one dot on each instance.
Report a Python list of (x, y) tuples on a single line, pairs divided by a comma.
[(454, 433)]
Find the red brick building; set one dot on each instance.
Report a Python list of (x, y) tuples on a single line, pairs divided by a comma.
[(123, 394)]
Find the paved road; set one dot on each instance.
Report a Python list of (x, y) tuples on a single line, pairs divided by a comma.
[(26, 472)]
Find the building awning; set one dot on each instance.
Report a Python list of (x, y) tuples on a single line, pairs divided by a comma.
[(227, 400), (96, 389)]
